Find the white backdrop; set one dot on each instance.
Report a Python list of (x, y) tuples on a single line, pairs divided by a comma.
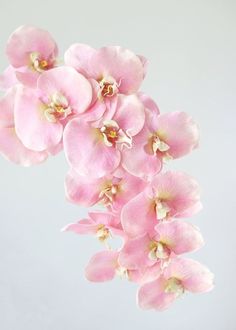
[(191, 46)]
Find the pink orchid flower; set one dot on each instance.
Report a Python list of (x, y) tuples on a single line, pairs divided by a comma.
[(171, 238), (30, 51), (114, 69), (164, 137), (181, 275), (101, 224), (112, 191), (169, 195), (104, 266), (41, 114), (95, 150), (11, 146)]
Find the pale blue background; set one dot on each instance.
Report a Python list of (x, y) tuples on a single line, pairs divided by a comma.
[(191, 46)]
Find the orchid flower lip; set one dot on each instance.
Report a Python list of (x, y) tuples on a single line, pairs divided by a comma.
[(108, 87), (159, 146), (122, 272), (38, 64), (113, 135), (162, 209), (108, 194), (102, 233), (174, 285), (158, 250), (58, 108)]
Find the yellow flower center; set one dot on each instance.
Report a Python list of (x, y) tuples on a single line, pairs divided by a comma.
[(102, 233), (112, 134), (158, 250), (108, 87), (108, 193), (122, 272), (39, 64), (43, 64), (174, 285), (57, 109), (159, 146), (162, 209)]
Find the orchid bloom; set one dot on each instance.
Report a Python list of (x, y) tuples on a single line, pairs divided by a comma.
[(96, 150), (171, 238), (114, 69), (104, 266), (41, 114), (112, 191), (101, 224), (30, 51), (11, 146), (181, 275), (169, 195), (164, 137)]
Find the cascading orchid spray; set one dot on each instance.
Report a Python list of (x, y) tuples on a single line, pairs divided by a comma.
[(116, 143)]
